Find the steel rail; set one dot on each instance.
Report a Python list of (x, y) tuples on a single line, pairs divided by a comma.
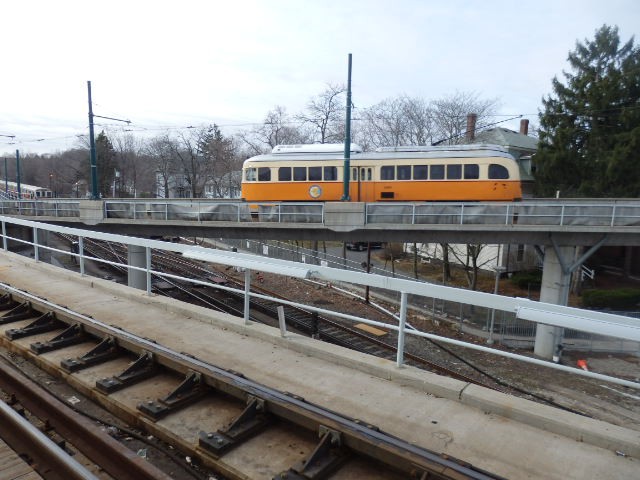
[(357, 435), (113, 457), (47, 457)]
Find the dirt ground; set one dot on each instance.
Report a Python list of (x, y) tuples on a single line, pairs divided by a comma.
[(609, 402)]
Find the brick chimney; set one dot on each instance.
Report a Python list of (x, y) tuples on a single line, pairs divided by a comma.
[(471, 127), (524, 126)]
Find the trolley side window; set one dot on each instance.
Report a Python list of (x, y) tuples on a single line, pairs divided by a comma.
[(436, 172), (387, 173), (471, 171), (404, 172), (454, 172), (498, 172), (315, 174), (251, 174), (420, 172), (264, 174), (330, 173), (284, 174), (300, 174)]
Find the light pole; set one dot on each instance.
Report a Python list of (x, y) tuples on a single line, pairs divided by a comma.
[(499, 270)]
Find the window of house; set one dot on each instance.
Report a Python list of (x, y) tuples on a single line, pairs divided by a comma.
[(387, 173), (498, 172), (420, 172), (284, 174), (436, 172), (471, 172)]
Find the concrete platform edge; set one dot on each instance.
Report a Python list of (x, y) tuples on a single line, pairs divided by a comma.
[(567, 424)]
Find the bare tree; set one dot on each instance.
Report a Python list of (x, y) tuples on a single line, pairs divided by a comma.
[(450, 115), (469, 257), (161, 152), (277, 129), (384, 124), (398, 121), (130, 163), (325, 114)]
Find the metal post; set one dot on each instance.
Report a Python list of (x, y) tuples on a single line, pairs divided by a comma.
[(148, 267), (281, 321), (366, 289), (36, 255), (6, 176), (493, 310), (403, 321), (18, 174), (81, 253), (347, 139), (92, 143), (247, 293), (4, 236)]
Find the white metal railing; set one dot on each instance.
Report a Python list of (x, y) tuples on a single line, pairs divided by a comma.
[(214, 210), (41, 208), (617, 326), (599, 213), (608, 213)]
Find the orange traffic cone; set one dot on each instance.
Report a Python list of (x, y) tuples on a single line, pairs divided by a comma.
[(583, 365)]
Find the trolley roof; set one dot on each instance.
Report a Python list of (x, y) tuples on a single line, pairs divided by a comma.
[(331, 152)]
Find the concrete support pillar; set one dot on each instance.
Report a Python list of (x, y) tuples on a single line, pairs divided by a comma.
[(555, 289), (44, 255), (136, 257)]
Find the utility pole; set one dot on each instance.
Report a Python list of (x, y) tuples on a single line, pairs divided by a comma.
[(95, 195), (18, 174), (92, 143), (347, 140)]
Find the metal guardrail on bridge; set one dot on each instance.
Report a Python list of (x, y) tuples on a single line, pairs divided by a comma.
[(599, 323), (559, 213)]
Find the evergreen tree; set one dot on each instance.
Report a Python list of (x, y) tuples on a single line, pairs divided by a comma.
[(105, 160), (590, 126)]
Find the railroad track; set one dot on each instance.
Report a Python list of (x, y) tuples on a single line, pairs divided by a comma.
[(229, 416), (303, 321)]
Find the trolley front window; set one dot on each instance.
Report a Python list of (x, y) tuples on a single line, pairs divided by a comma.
[(264, 174), (498, 172), (251, 174)]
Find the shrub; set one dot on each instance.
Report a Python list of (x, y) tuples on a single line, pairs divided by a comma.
[(619, 299), (528, 279)]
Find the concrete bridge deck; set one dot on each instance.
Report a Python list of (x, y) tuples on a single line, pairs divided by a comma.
[(508, 436)]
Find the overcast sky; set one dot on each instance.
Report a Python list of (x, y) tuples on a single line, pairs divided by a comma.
[(161, 63)]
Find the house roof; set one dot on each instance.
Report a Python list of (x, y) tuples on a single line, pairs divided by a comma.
[(508, 138)]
